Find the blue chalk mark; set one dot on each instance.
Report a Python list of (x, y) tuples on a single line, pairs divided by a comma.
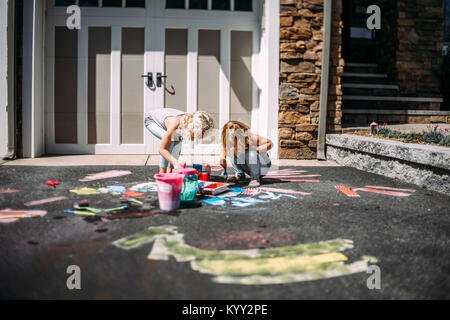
[(118, 189), (216, 201)]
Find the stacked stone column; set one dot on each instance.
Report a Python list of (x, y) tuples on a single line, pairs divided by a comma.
[(301, 45)]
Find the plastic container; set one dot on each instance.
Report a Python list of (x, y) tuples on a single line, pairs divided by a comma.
[(190, 185), (204, 176), (204, 170), (169, 190)]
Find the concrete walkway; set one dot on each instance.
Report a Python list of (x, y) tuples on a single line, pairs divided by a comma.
[(141, 160)]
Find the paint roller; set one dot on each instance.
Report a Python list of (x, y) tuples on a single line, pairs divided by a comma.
[(84, 205)]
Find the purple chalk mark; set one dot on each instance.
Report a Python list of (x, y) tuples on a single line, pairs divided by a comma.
[(287, 191), (392, 189), (43, 201), (389, 193), (293, 176), (105, 175), (9, 191), (286, 172)]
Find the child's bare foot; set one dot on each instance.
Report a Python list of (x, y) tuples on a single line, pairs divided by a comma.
[(254, 183)]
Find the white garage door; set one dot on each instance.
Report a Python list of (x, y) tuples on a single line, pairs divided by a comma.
[(131, 56)]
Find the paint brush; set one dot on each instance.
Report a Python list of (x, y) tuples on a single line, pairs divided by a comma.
[(116, 209), (80, 213), (132, 200), (225, 174), (84, 205)]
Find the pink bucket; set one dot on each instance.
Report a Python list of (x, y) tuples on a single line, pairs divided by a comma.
[(169, 190)]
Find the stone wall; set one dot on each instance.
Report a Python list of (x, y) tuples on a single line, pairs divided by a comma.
[(420, 37), (301, 43)]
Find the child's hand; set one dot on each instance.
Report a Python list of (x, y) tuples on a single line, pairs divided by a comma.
[(179, 165)]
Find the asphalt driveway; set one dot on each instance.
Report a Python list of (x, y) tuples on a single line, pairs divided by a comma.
[(400, 228)]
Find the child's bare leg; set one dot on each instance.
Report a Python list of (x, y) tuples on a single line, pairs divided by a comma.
[(162, 170)]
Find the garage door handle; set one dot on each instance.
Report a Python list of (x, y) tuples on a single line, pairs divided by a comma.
[(149, 81), (159, 78)]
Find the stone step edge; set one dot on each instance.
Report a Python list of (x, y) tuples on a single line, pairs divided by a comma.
[(428, 155)]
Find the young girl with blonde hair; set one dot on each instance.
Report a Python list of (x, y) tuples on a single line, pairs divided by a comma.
[(247, 152), (173, 127)]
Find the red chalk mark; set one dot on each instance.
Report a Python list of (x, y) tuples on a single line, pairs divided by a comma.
[(133, 194), (52, 183), (348, 191), (9, 191), (130, 215), (389, 193), (392, 189)]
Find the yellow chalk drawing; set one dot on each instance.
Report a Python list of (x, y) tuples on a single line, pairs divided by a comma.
[(85, 191), (302, 262)]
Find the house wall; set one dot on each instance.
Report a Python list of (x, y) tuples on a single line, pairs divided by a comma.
[(301, 43)]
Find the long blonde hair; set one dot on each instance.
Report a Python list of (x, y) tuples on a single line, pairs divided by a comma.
[(194, 125), (235, 136)]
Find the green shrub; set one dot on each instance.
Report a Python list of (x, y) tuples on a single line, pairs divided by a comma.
[(412, 137), (383, 131), (433, 136), (445, 141)]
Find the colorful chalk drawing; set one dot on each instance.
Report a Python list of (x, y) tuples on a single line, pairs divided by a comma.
[(105, 175), (288, 264), (44, 201), (252, 191), (85, 191), (8, 215), (245, 202), (271, 196), (395, 192), (266, 195), (145, 187)]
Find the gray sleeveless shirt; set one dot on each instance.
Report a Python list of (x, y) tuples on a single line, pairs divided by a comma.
[(160, 115)]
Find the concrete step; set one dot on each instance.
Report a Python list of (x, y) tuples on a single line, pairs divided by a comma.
[(361, 67), (370, 86), (391, 98), (364, 75)]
